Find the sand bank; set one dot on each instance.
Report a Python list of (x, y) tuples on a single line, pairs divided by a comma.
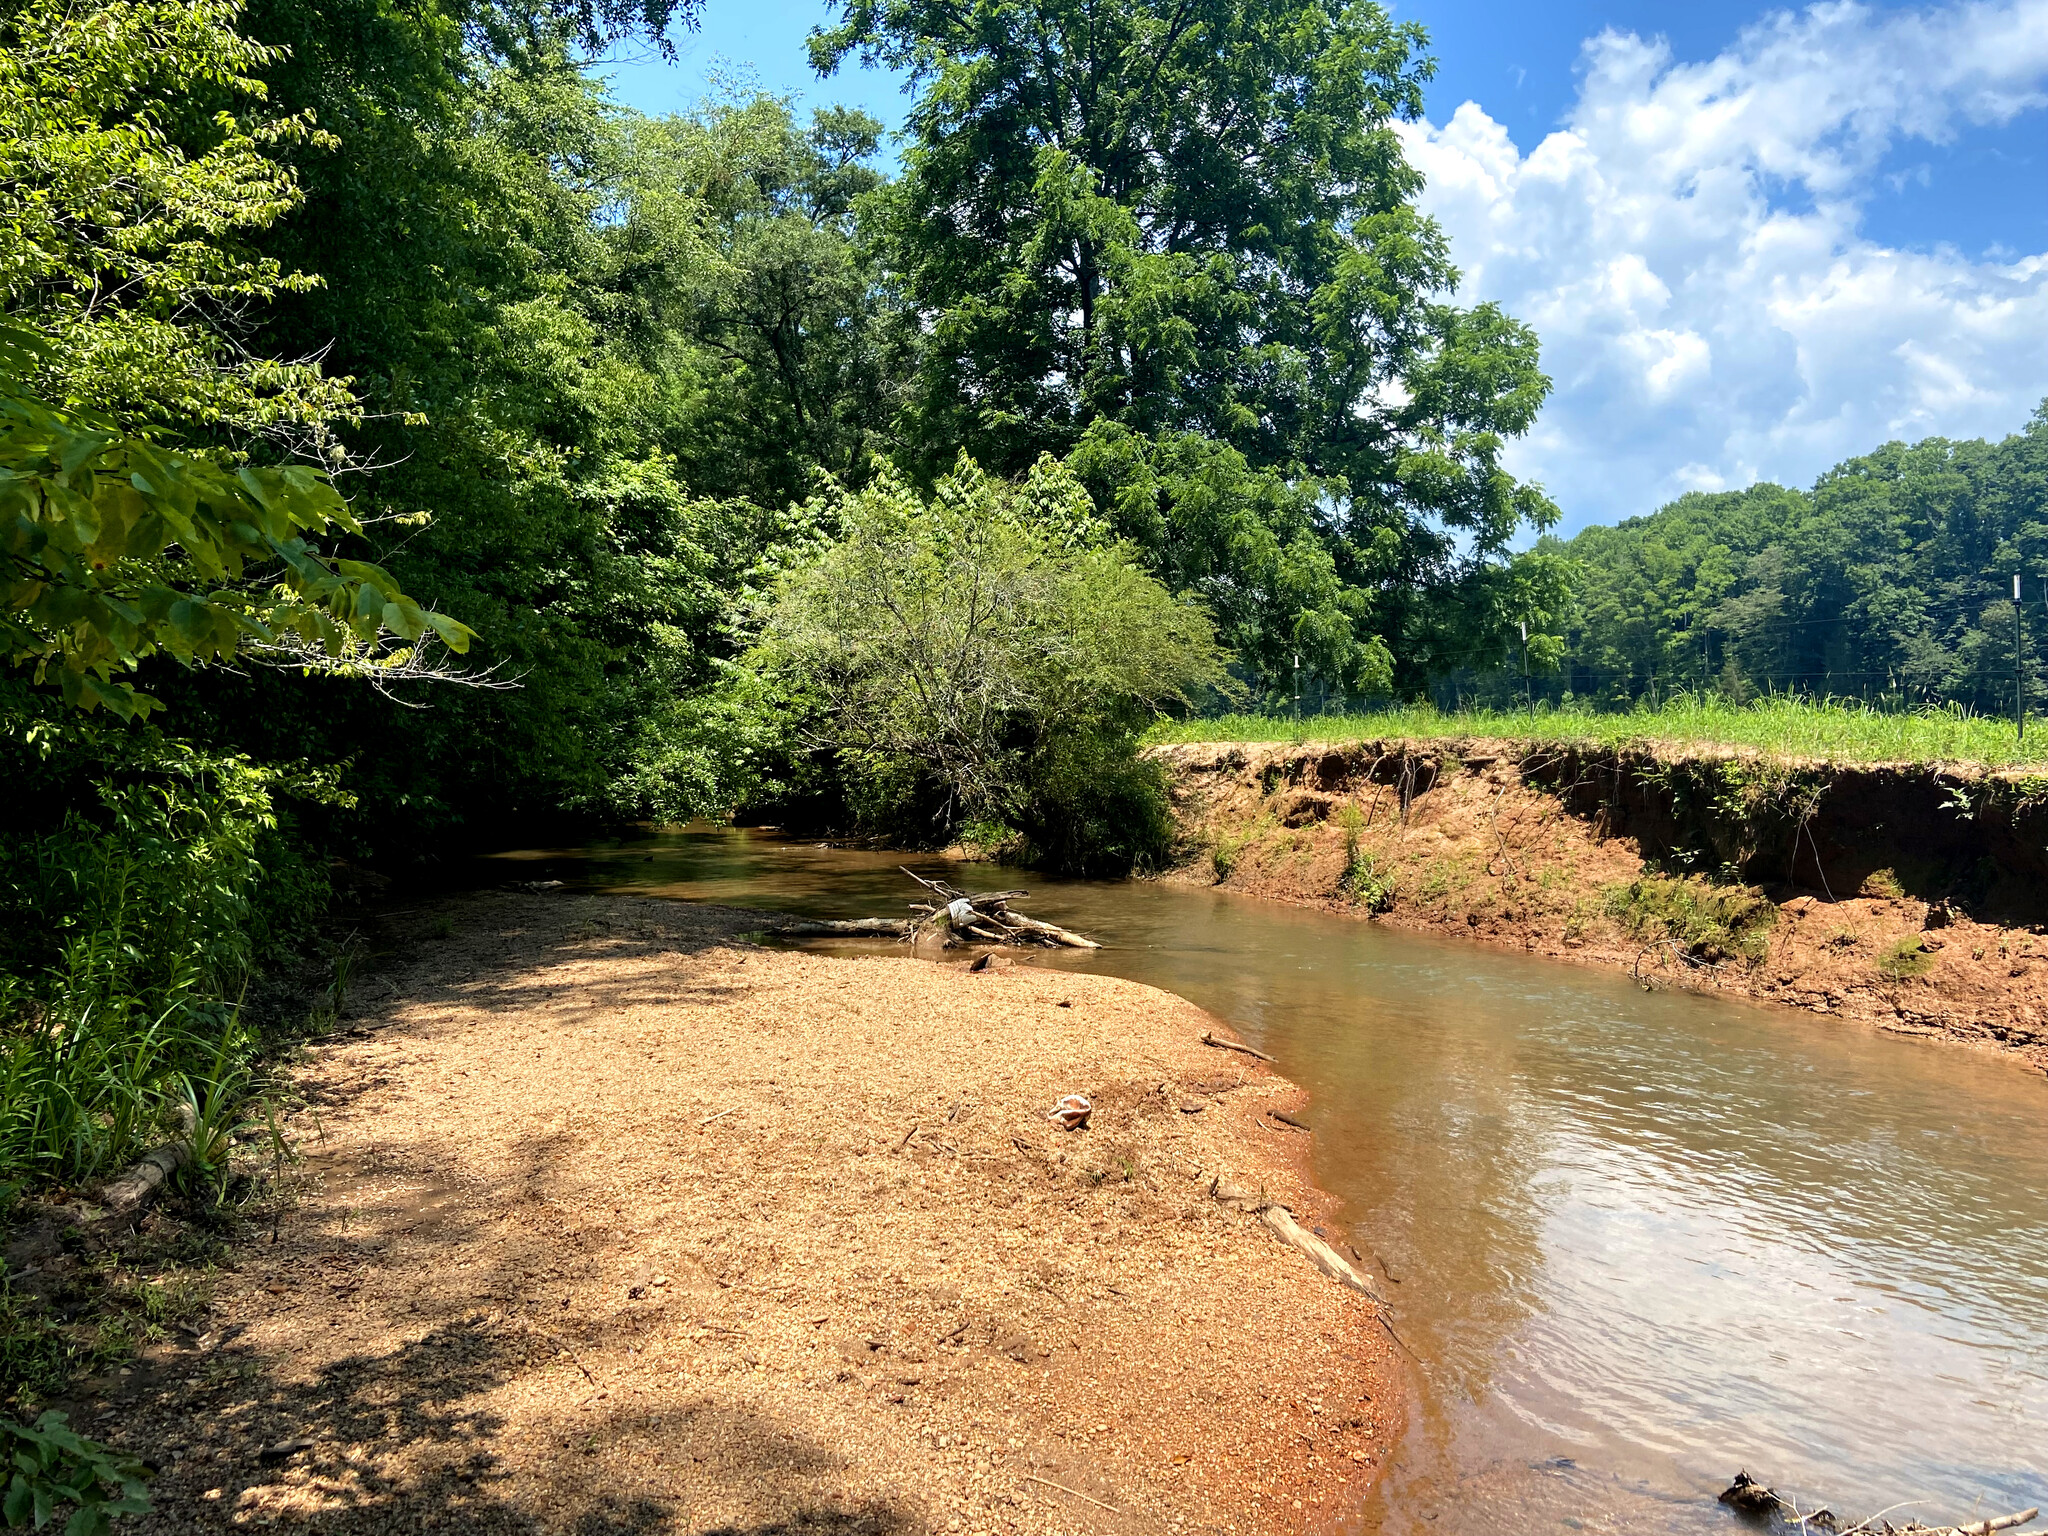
[(613, 1221)]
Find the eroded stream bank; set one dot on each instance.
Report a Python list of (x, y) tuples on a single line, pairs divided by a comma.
[(1910, 898), (1637, 1239)]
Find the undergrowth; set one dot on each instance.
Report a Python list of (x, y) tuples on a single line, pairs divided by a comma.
[(143, 883), (1709, 922), (1905, 958), (1362, 880)]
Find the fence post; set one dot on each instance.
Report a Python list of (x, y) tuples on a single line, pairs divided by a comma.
[(2019, 673), (1528, 689)]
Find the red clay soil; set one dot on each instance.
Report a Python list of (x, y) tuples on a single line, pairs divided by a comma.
[(614, 1222), (1482, 854)]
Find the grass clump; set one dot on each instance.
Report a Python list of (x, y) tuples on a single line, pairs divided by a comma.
[(1828, 730), (1905, 959), (1362, 880), (1364, 883), (1228, 848), (1709, 922)]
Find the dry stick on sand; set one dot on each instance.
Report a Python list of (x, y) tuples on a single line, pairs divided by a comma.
[(1209, 1038), (567, 1353), (1280, 1221), (719, 1116), (1077, 1493), (1915, 1528), (1986, 1527)]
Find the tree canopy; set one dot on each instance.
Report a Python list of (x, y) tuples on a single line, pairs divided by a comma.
[(1890, 579), (1180, 236), (990, 655)]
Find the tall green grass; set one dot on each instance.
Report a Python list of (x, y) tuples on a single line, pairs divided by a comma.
[(1846, 732), (129, 927)]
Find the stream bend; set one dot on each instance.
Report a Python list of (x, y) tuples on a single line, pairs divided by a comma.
[(1641, 1239)]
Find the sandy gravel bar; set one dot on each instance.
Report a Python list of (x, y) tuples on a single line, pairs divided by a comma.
[(617, 1223)]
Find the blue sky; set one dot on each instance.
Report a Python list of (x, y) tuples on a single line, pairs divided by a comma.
[(1755, 240)]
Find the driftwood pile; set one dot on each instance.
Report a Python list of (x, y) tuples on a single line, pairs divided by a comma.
[(950, 918), (1753, 1498)]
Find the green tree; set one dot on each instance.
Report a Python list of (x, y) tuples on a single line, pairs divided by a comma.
[(139, 161), (988, 656), (1889, 580), (1250, 544), (739, 281), (479, 285), (1194, 217), (127, 209), (113, 550)]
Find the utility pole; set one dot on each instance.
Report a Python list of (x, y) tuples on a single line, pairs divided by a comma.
[(1528, 688), (1297, 693), (2019, 672)]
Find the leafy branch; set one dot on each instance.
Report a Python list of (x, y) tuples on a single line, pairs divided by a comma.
[(114, 549)]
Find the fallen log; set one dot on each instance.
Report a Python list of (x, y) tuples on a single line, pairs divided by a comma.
[(1209, 1038), (2003, 1522), (825, 927), (1063, 937), (1756, 1499), (133, 1190), (1974, 1528), (1281, 1223), (985, 918), (140, 1184)]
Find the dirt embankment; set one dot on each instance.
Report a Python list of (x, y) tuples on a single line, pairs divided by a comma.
[(615, 1222), (1908, 898)]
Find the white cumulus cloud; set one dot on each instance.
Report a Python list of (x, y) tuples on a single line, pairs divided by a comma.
[(1689, 248)]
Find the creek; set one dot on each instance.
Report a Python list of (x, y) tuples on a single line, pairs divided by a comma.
[(1634, 1241)]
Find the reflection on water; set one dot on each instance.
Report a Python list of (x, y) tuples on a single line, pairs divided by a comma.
[(1638, 1240)]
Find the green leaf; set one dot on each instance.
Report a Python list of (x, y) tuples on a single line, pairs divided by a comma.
[(453, 635), (191, 620), (370, 575)]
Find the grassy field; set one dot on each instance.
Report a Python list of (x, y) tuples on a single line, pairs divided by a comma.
[(1833, 732)]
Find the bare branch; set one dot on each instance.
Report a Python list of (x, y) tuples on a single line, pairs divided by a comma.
[(384, 666)]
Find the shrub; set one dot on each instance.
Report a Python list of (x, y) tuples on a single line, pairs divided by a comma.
[(1365, 885), (51, 1466), (1710, 922), (987, 655), (1906, 958), (1361, 880)]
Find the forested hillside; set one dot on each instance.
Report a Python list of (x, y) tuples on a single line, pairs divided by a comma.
[(1890, 580), (406, 449)]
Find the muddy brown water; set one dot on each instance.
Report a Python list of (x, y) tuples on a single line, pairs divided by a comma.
[(1634, 1241)]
